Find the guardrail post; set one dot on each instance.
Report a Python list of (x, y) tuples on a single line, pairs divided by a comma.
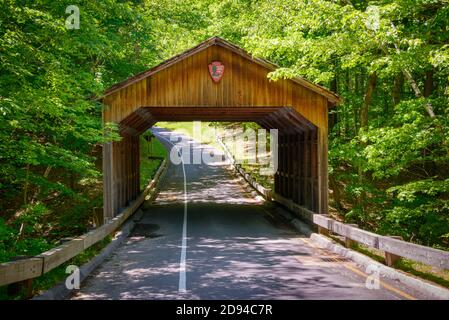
[(324, 227), (25, 286), (323, 231), (98, 217), (390, 258), (349, 243)]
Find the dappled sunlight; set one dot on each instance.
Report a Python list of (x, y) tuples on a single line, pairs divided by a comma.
[(235, 249), (138, 273), (263, 267), (260, 267), (225, 259)]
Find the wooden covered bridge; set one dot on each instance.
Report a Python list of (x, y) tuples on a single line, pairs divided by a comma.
[(218, 81)]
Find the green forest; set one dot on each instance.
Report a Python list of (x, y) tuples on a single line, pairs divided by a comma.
[(388, 142)]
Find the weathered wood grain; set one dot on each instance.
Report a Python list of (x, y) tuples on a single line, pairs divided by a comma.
[(61, 254), (426, 255), (15, 271), (415, 252)]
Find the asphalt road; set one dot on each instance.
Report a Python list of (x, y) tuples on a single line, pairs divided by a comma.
[(206, 237)]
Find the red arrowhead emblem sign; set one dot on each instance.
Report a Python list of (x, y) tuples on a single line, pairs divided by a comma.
[(216, 70)]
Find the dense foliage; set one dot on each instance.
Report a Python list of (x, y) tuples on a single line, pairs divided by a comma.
[(389, 60), (50, 125)]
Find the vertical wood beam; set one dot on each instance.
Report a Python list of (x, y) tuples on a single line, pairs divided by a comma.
[(323, 174), (306, 169), (298, 168), (107, 181), (290, 166), (301, 169), (285, 166), (125, 156), (279, 184), (134, 168), (314, 170), (295, 159), (114, 177)]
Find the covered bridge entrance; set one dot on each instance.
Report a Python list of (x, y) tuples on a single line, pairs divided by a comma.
[(235, 89)]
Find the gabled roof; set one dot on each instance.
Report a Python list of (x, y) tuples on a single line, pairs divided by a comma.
[(216, 41)]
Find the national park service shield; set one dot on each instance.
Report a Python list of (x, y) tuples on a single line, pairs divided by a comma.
[(216, 70)]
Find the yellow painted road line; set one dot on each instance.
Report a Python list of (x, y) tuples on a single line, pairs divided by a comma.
[(361, 273), (383, 284)]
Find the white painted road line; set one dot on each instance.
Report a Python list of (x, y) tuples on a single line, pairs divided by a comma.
[(182, 263)]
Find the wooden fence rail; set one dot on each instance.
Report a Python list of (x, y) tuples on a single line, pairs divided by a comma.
[(20, 270), (390, 245), (394, 248)]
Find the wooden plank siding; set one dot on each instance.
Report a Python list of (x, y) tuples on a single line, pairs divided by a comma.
[(296, 107)]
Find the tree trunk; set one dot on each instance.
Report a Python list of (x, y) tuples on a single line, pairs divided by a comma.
[(25, 188), (397, 88), (333, 116), (428, 84), (348, 81), (372, 80), (418, 93), (336, 194), (38, 189), (357, 81), (72, 181), (356, 114)]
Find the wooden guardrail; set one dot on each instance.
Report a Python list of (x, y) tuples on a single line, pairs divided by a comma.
[(258, 187), (20, 270), (393, 247)]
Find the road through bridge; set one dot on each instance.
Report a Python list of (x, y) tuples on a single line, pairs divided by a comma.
[(223, 243)]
